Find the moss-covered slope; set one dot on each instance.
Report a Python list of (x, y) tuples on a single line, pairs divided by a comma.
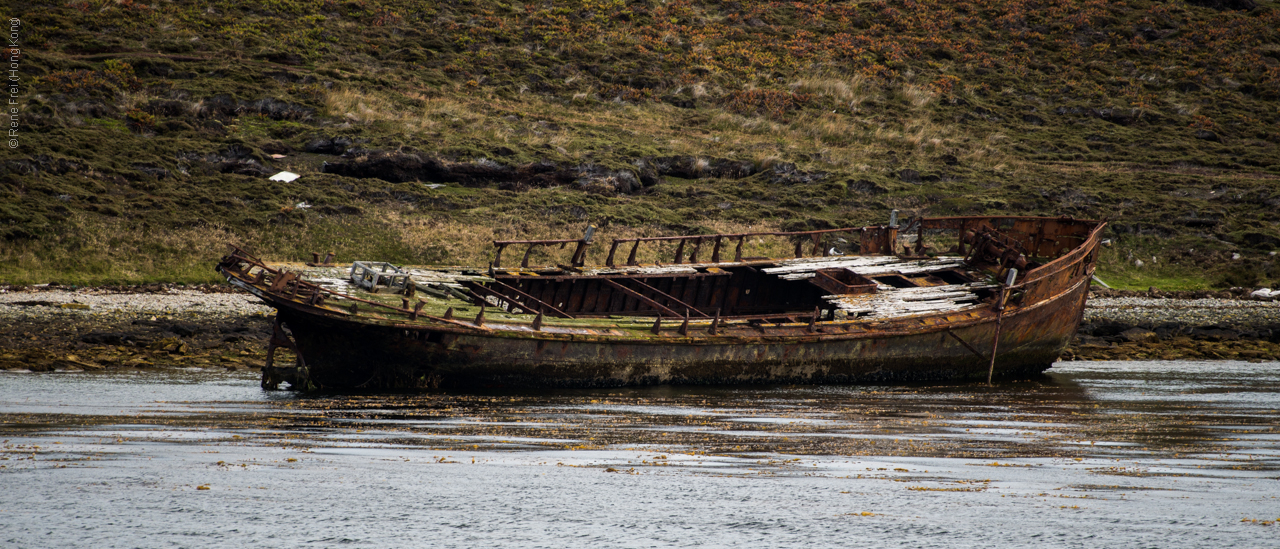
[(147, 132)]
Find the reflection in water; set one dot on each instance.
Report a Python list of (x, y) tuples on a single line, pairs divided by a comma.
[(1096, 454)]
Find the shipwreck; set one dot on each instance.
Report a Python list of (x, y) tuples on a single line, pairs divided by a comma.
[(927, 299)]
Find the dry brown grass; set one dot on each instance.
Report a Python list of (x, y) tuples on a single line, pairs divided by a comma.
[(573, 129), (851, 90), (1181, 105), (918, 96)]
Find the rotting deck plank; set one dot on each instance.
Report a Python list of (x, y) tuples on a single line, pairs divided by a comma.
[(896, 302), (865, 266)]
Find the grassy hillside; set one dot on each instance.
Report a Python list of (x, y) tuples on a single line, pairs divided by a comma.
[(422, 130)]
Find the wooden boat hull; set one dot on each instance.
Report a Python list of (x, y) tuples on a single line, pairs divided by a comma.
[(378, 352), (342, 355)]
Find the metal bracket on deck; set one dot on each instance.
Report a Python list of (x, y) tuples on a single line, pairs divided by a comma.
[(374, 275)]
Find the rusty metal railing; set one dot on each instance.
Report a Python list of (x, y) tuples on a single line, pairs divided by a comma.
[(875, 239), (579, 252), (872, 240), (718, 241)]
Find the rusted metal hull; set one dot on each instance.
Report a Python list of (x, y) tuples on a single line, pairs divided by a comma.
[(400, 350)]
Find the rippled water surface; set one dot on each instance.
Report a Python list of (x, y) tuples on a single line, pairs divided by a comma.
[(1110, 454)]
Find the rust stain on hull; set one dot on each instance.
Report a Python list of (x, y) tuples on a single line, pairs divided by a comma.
[(925, 322)]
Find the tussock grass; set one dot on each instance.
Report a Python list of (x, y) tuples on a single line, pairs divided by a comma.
[(918, 96), (849, 90), (574, 131), (1182, 263)]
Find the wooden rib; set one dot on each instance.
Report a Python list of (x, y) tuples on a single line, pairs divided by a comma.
[(665, 295), (565, 290), (690, 290), (594, 293), (641, 297), (543, 305)]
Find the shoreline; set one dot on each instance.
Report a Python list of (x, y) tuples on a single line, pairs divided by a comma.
[(56, 328), (1159, 328), (52, 328)]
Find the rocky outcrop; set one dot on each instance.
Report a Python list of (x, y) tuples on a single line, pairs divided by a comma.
[(236, 159), (1222, 5), (406, 166), (395, 167), (690, 167), (225, 106), (328, 145)]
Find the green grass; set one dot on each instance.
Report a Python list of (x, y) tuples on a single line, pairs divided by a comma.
[(1163, 279), (1183, 263)]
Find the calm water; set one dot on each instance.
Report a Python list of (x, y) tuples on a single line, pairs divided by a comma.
[(1115, 454)]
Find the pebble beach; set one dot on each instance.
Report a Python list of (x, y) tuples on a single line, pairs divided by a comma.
[(54, 328), (100, 301), (1196, 312)]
